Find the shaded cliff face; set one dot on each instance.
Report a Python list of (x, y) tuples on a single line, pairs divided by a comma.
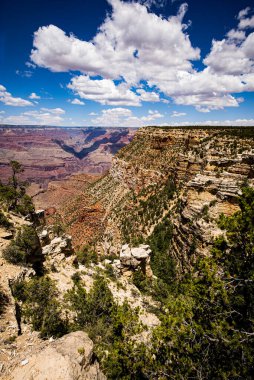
[(189, 176), (52, 152)]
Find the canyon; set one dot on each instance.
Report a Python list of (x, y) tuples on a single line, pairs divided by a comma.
[(48, 153), (143, 226), (187, 176)]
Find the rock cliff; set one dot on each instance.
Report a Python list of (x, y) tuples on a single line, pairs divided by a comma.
[(186, 175)]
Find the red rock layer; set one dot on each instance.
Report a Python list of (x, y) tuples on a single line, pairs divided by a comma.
[(56, 152)]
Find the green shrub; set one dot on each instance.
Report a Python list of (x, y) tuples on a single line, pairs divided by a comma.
[(162, 263), (13, 195), (92, 311), (4, 300), (4, 222), (15, 254), (110, 272), (40, 306), (25, 205), (87, 256), (25, 249), (140, 280), (213, 203), (76, 278), (58, 229)]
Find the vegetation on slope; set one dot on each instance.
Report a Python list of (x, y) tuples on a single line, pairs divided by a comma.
[(40, 307), (13, 195), (207, 330), (207, 318), (4, 221), (25, 248), (147, 210), (3, 301)]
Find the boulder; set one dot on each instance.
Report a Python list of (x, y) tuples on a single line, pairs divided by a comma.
[(43, 234), (68, 358), (59, 245), (44, 238), (23, 275), (140, 253), (133, 258)]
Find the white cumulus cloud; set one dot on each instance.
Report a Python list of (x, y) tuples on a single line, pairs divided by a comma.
[(134, 45), (38, 117), (243, 13), (147, 96), (124, 117), (152, 115), (103, 91), (55, 111), (44, 116), (215, 123), (77, 102), (246, 23), (9, 100), (234, 54), (33, 95), (177, 114)]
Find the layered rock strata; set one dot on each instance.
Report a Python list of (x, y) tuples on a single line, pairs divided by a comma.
[(189, 175), (56, 152)]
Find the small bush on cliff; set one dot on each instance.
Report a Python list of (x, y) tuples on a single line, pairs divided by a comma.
[(3, 301), (58, 228), (140, 280), (13, 195), (89, 307), (87, 255), (110, 326), (25, 249), (4, 221), (121, 357)]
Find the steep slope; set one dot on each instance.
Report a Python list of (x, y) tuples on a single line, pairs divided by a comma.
[(188, 176)]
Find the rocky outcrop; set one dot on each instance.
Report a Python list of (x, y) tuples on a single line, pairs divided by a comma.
[(132, 259), (60, 245), (225, 186), (56, 249), (68, 358)]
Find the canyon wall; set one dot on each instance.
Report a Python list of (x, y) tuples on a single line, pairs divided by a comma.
[(56, 152), (188, 176)]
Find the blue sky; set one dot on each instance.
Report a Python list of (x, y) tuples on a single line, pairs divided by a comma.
[(126, 63)]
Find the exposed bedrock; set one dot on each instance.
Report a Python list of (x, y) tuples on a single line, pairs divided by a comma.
[(189, 175)]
